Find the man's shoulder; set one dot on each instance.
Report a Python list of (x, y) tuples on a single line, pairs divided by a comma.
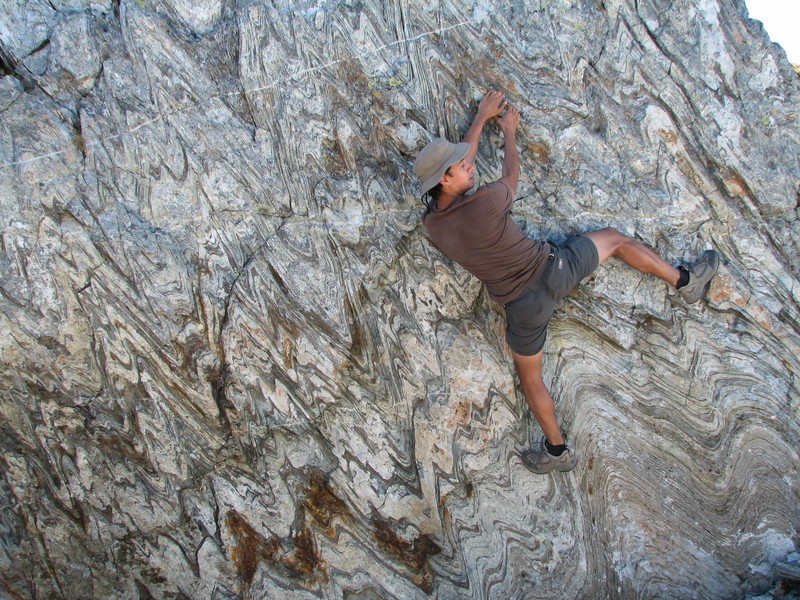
[(493, 187)]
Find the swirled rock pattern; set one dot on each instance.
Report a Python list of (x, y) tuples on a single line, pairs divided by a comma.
[(233, 366)]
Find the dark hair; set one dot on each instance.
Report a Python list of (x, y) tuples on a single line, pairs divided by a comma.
[(432, 195)]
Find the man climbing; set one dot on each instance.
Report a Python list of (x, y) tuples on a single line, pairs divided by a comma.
[(525, 276)]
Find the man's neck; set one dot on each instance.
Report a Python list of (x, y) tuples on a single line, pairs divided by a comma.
[(445, 199)]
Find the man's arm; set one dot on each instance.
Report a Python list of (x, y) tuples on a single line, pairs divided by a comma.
[(508, 123), (491, 105)]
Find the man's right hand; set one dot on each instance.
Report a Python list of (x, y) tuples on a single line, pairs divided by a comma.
[(509, 121), (490, 106)]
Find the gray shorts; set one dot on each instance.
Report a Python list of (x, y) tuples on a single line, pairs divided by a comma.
[(527, 316)]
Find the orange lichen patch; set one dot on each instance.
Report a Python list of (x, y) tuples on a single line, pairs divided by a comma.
[(688, 170), (734, 183), (414, 554), (540, 151), (469, 489), (250, 548), (304, 562), (462, 413), (496, 49), (288, 352), (681, 159), (323, 504), (296, 556), (723, 290), (669, 136)]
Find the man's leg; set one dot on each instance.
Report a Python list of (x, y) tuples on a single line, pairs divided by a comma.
[(553, 454), (611, 242), (529, 369)]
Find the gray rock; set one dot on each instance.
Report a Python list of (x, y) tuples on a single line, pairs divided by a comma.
[(25, 25), (234, 366), (74, 52)]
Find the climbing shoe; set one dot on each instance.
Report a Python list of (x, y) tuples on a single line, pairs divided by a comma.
[(541, 461), (700, 273)]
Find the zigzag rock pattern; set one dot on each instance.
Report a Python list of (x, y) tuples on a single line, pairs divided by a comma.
[(234, 366)]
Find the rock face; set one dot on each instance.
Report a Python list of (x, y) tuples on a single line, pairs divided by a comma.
[(233, 365)]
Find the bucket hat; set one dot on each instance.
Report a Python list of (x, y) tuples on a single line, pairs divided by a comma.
[(435, 158)]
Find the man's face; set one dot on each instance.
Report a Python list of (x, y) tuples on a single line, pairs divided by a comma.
[(459, 178)]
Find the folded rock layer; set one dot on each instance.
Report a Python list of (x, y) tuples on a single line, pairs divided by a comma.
[(234, 366)]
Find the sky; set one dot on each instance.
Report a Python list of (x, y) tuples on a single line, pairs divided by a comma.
[(781, 19)]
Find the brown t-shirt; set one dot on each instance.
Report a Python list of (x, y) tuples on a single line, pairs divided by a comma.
[(477, 232)]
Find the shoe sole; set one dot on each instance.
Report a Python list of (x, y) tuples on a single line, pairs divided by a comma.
[(557, 465)]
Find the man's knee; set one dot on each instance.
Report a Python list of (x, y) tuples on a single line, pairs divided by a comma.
[(529, 371), (607, 241), (608, 231), (615, 237), (530, 379)]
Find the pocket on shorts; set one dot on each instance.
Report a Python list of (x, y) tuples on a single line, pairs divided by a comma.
[(573, 262), (531, 310)]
